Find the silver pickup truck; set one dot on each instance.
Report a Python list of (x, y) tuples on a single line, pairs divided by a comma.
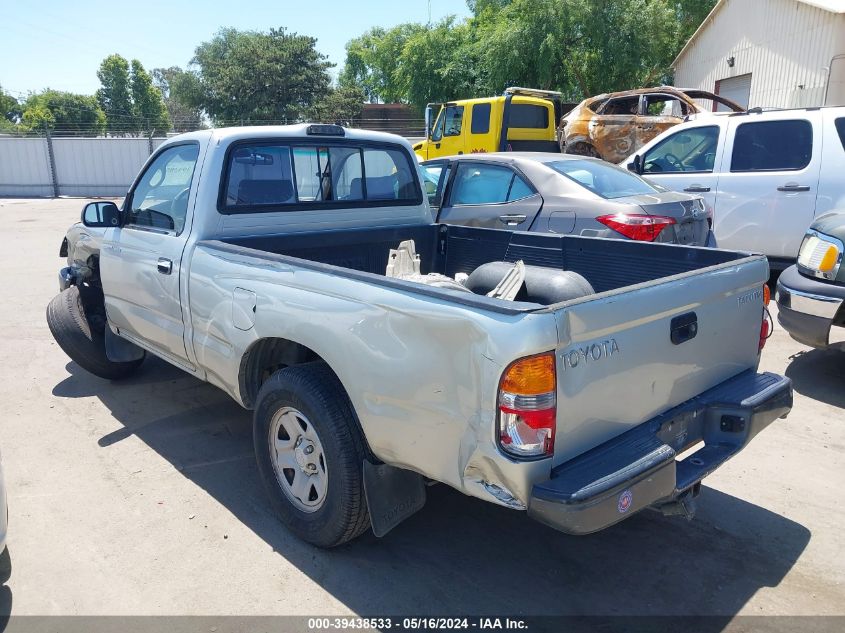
[(299, 270)]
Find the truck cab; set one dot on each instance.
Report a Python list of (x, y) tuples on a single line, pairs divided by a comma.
[(522, 119)]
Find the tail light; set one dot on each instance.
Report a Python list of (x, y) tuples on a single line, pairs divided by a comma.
[(643, 228), (527, 407), (765, 325)]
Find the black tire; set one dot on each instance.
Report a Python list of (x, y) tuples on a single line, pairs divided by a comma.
[(314, 390), (83, 340)]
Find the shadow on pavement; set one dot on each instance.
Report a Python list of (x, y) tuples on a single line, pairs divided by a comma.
[(460, 555), (820, 375)]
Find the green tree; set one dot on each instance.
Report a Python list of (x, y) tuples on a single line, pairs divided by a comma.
[(63, 113), (179, 89), (440, 63), (255, 77), (342, 104), (115, 95), (580, 47), (147, 105), (10, 109), (373, 62)]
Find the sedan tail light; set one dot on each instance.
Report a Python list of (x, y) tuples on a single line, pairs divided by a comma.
[(527, 407), (643, 228)]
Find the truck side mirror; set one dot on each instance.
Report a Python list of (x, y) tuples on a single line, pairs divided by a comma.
[(101, 215), (636, 165), (428, 114)]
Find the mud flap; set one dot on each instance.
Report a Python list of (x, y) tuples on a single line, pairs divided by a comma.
[(393, 494), (119, 350)]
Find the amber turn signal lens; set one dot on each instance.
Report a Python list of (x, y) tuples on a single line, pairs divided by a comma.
[(829, 259), (767, 295), (530, 376)]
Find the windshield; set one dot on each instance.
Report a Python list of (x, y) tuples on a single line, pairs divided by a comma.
[(603, 179)]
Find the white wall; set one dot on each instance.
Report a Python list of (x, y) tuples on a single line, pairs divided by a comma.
[(84, 166), (784, 44), (24, 167)]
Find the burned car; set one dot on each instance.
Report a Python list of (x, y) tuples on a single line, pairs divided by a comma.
[(612, 126)]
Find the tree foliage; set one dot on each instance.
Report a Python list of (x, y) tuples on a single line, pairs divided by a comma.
[(63, 113), (341, 105), (147, 104), (10, 109), (115, 95), (373, 62), (179, 89), (130, 101), (580, 47), (254, 77)]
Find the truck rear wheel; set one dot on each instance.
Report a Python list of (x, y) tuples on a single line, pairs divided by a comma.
[(83, 339), (310, 454)]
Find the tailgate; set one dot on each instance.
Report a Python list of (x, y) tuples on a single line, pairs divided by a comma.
[(617, 362)]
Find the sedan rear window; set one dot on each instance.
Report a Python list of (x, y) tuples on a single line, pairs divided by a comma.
[(602, 178)]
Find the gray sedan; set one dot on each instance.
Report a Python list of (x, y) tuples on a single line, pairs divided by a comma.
[(557, 193)]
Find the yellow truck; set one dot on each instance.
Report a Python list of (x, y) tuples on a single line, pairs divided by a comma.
[(522, 119)]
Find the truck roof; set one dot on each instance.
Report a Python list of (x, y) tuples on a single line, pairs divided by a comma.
[(299, 130)]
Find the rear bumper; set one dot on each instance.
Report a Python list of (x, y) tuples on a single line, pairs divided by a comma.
[(638, 469), (807, 308)]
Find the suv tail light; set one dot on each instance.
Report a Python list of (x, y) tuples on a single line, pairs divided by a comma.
[(643, 228), (527, 407)]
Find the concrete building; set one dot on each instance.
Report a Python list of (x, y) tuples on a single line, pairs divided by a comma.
[(769, 53)]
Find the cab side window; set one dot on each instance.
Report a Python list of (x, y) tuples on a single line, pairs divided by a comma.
[(454, 120), (691, 150), (480, 118), (772, 146), (160, 199)]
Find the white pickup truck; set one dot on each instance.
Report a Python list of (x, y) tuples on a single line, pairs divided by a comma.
[(298, 269)]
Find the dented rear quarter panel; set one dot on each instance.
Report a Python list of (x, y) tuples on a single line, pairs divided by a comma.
[(422, 373)]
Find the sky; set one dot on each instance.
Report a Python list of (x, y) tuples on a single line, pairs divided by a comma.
[(60, 44)]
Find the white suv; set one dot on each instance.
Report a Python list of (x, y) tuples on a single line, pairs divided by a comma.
[(764, 175)]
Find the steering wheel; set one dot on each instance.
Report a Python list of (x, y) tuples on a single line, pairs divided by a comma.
[(673, 161), (181, 197)]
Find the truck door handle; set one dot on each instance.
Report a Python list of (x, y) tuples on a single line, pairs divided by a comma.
[(697, 189), (437, 145), (793, 186), (165, 266), (512, 220)]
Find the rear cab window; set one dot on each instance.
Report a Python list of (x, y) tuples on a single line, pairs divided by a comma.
[(299, 174), (784, 145), (528, 115)]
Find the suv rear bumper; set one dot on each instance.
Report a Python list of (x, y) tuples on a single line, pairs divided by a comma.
[(807, 308), (638, 469)]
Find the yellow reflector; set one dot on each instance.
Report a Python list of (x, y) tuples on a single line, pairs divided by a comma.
[(530, 376), (767, 295), (829, 259)]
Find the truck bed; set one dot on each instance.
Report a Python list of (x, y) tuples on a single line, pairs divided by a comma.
[(607, 264)]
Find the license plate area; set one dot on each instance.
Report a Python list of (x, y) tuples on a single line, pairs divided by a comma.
[(683, 430)]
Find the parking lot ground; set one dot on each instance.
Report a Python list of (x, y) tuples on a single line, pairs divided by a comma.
[(142, 497)]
